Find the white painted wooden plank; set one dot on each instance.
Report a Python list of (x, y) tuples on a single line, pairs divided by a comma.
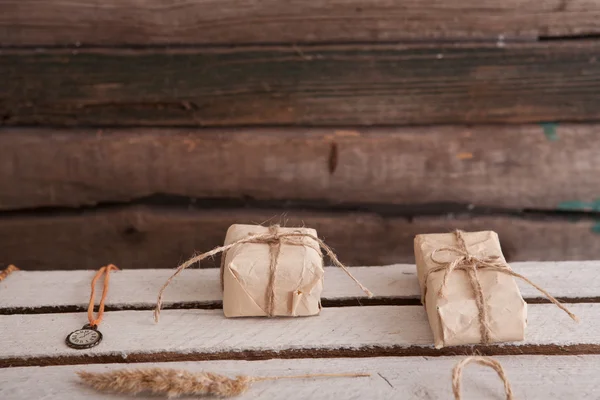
[(207, 331), (138, 288), (418, 378)]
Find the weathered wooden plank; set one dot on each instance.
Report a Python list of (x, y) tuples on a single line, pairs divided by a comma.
[(315, 85), (417, 378), (523, 166), (48, 290), (132, 336), (138, 289), (143, 237), (34, 22)]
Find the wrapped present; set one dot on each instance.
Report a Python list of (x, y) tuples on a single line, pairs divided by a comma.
[(269, 271), (279, 277), (468, 289)]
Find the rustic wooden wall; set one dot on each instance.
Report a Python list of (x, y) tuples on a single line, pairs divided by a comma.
[(135, 132)]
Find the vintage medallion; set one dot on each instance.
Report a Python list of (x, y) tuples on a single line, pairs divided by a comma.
[(84, 338), (89, 336)]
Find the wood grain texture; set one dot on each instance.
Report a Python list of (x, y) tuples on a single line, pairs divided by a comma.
[(498, 166), (27, 290), (143, 237), (114, 22), (411, 378), (312, 85), (133, 336)]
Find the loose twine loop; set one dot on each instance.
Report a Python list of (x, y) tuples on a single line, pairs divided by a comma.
[(274, 238), (486, 361), (471, 264), (104, 270), (175, 383), (7, 271)]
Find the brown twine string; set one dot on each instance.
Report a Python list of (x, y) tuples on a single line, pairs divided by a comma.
[(175, 383), (486, 361), (274, 249), (471, 264), (7, 271), (274, 236)]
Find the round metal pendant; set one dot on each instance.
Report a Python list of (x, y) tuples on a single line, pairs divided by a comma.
[(84, 338)]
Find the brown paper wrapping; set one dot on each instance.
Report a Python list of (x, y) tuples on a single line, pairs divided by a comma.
[(454, 318), (246, 275)]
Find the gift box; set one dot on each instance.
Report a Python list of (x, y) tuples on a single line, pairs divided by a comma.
[(468, 290), (279, 274)]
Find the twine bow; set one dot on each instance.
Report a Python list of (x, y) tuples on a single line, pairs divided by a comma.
[(471, 264), (274, 238)]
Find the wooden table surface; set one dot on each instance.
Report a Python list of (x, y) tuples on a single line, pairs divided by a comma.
[(387, 336)]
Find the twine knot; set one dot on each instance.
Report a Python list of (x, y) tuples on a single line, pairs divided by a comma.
[(471, 264)]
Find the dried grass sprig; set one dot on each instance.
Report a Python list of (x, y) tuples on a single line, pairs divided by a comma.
[(174, 383)]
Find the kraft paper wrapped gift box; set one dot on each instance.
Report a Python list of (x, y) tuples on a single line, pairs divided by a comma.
[(296, 279), (454, 317)]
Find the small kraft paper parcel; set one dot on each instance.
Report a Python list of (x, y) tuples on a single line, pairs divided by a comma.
[(270, 271), (277, 277), (469, 291), (274, 271)]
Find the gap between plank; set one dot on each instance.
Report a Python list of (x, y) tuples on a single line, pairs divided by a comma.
[(562, 38), (490, 40), (409, 211), (253, 355), (218, 305)]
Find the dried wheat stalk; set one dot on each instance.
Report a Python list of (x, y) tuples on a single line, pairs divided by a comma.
[(174, 383)]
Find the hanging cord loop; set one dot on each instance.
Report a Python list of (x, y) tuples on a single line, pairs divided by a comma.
[(94, 322)]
